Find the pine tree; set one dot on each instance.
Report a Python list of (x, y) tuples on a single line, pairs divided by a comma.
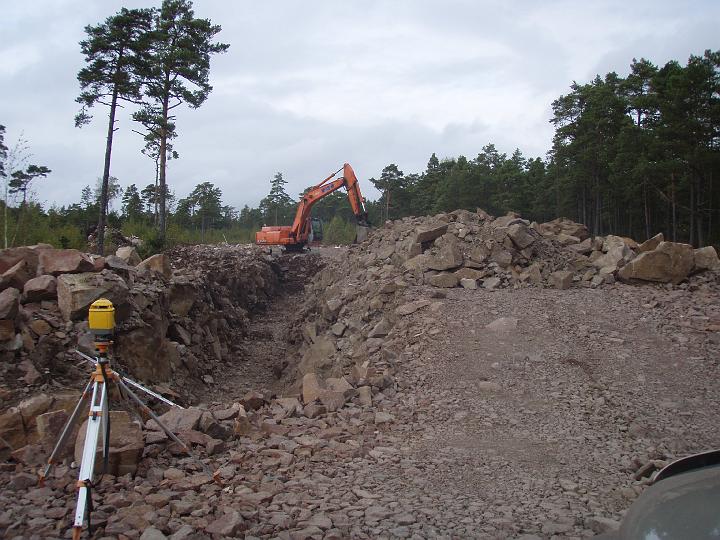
[(114, 52), (132, 204), (178, 73), (277, 204)]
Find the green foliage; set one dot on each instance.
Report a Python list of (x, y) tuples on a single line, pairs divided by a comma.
[(3, 151), (339, 232), (177, 71), (132, 204), (631, 156), (116, 55), (277, 208)]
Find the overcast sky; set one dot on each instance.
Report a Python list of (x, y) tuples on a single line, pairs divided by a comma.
[(307, 86)]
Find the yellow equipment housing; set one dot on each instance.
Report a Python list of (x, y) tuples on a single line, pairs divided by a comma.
[(101, 317)]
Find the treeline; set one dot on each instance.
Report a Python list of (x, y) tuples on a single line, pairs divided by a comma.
[(631, 156)]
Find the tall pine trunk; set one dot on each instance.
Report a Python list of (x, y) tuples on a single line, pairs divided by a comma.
[(692, 212), (674, 209), (163, 161), (647, 210), (100, 234)]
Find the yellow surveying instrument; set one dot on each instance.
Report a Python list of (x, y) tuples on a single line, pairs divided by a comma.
[(101, 322)]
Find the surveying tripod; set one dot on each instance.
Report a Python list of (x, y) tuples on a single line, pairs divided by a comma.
[(97, 391)]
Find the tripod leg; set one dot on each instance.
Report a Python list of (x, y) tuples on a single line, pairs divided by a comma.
[(151, 393), (87, 465), (66, 432), (169, 433)]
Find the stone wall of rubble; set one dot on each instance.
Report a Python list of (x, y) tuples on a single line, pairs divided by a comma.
[(178, 315), (353, 304)]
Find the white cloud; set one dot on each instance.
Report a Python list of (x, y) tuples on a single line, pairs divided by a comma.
[(307, 86)]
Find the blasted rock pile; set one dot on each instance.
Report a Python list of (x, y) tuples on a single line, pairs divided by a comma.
[(178, 316), (354, 304)]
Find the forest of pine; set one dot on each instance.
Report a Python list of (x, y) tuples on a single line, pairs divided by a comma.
[(632, 156)]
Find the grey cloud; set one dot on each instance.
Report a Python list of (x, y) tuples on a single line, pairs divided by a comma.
[(307, 86)]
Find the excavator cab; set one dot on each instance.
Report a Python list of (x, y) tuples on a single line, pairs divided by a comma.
[(316, 230)]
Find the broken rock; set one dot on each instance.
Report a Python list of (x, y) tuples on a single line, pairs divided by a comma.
[(312, 388), (178, 419), (706, 258), (444, 280), (77, 291), (159, 263), (651, 243), (9, 303), (561, 279), (430, 234), (128, 254), (669, 262), (126, 445), (40, 288), (520, 235), (64, 261)]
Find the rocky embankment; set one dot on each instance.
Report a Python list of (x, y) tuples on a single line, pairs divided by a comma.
[(179, 315), (440, 380)]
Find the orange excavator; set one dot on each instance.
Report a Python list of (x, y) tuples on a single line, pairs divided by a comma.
[(297, 235)]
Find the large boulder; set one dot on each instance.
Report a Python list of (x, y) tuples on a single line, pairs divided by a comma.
[(128, 254), (146, 352), (178, 420), (40, 288), (126, 445), (618, 255), (651, 243), (16, 276), (670, 262), (64, 261), (564, 226), (11, 256), (444, 280), (182, 298), (520, 235), (312, 387), (429, 234), (562, 279), (77, 291), (448, 257), (9, 303), (159, 263), (319, 356), (706, 258)]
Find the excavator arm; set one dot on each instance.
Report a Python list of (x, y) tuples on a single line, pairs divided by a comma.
[(297, 235)]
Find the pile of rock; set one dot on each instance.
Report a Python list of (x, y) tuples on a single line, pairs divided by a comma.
[(177, 314), (353, 305)]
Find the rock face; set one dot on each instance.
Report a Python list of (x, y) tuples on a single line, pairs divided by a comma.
[(444, 280), (9, 303), (670, 262), (64, 261), (40, 288), (561, 279), (128, 254), (159, 263), (651, 243), (77, 291), (16, 276), (126, 445), (706, 258)]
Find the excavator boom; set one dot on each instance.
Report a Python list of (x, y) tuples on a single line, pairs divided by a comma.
[(297, 235)]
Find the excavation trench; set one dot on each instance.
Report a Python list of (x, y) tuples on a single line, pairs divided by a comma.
[(260, 353)]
